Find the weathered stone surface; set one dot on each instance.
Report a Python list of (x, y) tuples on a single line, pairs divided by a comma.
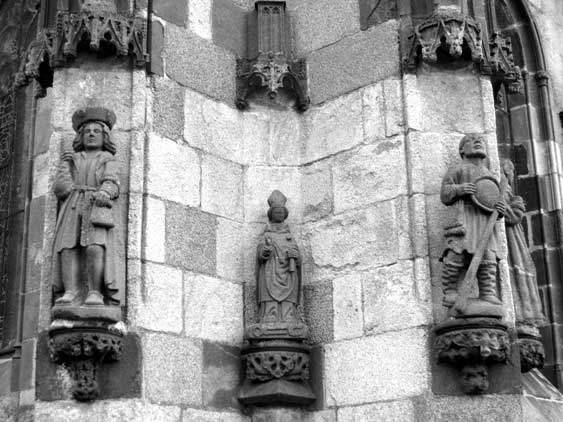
[(172, 369), (168, 108), (372, 173), (457, 109), (221, 187), (489, 408), (384, 367), (339, 20), (43, 128), (191, 238), (174, 11), (259, 182), (221, 375), (195, 62), (261, 414), (41, 172), (199, 18), (333, 127), (229, 26), (174, 179), (287, 137), (381, 412), (538, 410), (353, 62), (320, 416), (192, 415), (157, 45), (391, 298), (6, 376), (224, 131), (155, 233), (319, 312), (373, 112), (160, 305), (105, 411), (213, 309), (393, 92), (229, 253), (347, 303), (368, 238), (316, 182)]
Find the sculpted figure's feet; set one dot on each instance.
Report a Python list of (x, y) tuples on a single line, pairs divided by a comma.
[(449, 299), (491, 299), (69, 298), (94, 298)]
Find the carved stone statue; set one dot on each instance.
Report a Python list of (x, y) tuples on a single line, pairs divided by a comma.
[(275, 357), (471, 188), (278, 274), (87, 185), (525, 292)]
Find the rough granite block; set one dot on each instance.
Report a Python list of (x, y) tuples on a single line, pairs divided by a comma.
[(392, 411), (354, 62), (222, 375), (168, 108), (229, 26), (174, 11), (221, 187), (190, 238)]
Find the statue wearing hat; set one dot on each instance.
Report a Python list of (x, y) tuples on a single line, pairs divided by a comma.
[(278, 274), (472, 241), (87, 186)]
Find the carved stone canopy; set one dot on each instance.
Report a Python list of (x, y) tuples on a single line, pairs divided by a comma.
[(97, 27)]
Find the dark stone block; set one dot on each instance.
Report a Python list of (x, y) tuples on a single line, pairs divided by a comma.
[(527, 188), (553, 225), (156, 47), (537, 231), (520, 153), (168, 108), (175, 11), (5, 377), (222, 375), (316, 368), (525, 230), (539, 262), (43, 129), (503, 378), (121, 379), (30, 314), (35, 245), (191, 238), (229, 26), (28, 361), (318, 312), (519, 124), (374, 12)]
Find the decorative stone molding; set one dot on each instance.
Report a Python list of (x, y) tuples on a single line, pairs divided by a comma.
[(532, 352), (499, 63), (105, 32), (472, 345), (275, 356), (81, 347), (272, 69)]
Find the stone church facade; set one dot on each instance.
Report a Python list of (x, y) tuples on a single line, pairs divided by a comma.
[(152, 277)]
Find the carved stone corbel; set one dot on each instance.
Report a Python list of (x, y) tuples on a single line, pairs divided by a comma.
[(99, 29), (272, 69), (81, 347), (472, 345), (498, 62)]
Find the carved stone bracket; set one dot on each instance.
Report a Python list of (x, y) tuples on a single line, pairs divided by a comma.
[(272, 69), (446, 35), (472, 345), (105, 33), (82, 347), (277, 371), (532, 353), (499, 63), (272, 72)]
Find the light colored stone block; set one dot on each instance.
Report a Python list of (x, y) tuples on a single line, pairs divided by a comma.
[(372, 173), (259, 182), (213, 309), (347, 305), (320, 416), (368, 238), (418, 232), (134, 225), (174, 171), (136, 163), (221, 187), (41, 172), (196, 415), (391, 300), (333, 127), (199, 18), (385, 367), (155, 235), (229, 253), (373, 112), (172, 369), (160, 304), (339, 20), (316, 183), (287, 133), (393, 411), (393, 92)]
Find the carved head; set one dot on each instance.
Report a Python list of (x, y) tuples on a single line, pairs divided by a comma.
[(474, 379), (94, 135), (473, 145), (277, 212)]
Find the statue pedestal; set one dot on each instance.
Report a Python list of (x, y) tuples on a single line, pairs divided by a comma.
[(85, 313), (82, 347), (532, 353), (276, 372), (472, 344)]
